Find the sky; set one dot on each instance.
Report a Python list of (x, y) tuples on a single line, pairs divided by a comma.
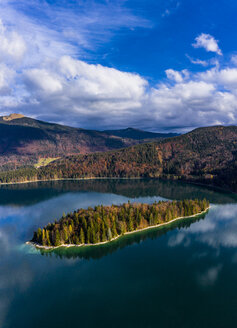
[(157, 65)]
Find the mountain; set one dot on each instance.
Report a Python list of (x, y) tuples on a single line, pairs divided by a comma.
[(137, 134), (25, 141), (205, 155)]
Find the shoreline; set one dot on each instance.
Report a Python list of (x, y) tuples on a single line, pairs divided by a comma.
[(38, 246), (215, 187), (74, 179)]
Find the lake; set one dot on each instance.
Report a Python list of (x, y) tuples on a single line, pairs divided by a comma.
[(181, 275)]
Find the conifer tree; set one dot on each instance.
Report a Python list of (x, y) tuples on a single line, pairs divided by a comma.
[(130, 224), (103, 232), (82, 236), (114, 230), (39, 236), (57, 238), (109, 234), (48, 238)]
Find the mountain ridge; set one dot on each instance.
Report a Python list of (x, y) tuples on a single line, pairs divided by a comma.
[(24, 141), (138, 134)]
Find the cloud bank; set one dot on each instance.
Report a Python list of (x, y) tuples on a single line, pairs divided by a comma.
[(43, 74)]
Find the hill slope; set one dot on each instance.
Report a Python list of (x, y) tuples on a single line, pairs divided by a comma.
[(23, 141), (207, 155), (137, 134)]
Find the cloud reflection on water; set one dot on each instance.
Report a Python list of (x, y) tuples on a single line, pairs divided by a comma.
[(219, 229), (19, 268), (216, 233), (210, 276)]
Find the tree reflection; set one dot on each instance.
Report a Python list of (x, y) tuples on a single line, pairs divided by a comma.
[(33, 193)]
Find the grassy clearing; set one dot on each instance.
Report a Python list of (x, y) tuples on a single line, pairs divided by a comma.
[(45, 161)]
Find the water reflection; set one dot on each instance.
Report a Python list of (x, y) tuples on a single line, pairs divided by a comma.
[(160, 277), (209, 277), (33, 193), (218, 230)]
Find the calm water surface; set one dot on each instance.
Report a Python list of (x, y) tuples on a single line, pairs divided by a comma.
[(183, 275)]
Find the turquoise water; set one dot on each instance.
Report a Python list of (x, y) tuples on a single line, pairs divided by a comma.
[(183, 275)]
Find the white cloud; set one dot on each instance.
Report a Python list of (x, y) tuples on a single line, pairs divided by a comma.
[(76, 26), (86, 91), (234, 59), (224, 78), (46, 80), (12, 45), (187, 103), (174, 75), (227, 76), (207, 42), (101, 82), (91, 93), (6, 77), (197, 61), (42, 81)]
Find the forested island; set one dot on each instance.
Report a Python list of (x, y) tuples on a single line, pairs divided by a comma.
[(102, 224)]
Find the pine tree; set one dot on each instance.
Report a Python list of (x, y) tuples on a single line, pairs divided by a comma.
[(84, 223), (39, 236), (151, 221), (130, 224), (114, 230), (65, 234), (76, 240), (103, 232), (43, 237), (109, 234), (57, 238), (48, 238), (82, 236), (98, 237), (93, 236), (88, 235)]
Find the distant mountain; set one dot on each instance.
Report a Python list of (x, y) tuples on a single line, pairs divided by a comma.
[(205, 155), (25, 141), (137, 134)]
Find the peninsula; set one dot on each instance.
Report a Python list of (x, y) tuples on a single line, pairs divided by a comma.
[(102, 224)]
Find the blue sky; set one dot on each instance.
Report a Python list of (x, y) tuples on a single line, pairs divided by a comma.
[(164, 65)]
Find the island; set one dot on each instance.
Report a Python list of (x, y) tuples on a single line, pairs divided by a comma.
[(102, 224)]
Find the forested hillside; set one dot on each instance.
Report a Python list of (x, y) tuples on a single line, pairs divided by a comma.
[(26, 142), (206, 155)]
